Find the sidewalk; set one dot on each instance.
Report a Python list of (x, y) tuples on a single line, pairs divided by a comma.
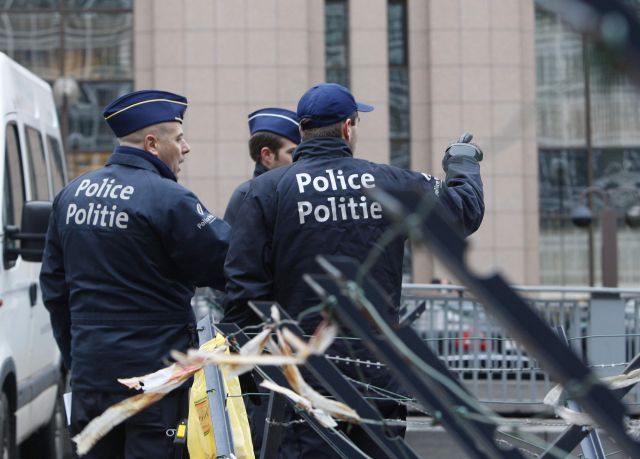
[(434, 442)]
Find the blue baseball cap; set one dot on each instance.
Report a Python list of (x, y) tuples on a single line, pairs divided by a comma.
[(139, 109), (276, 120), (326, 104)]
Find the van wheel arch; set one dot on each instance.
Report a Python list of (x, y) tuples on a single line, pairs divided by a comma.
[(52, 440), (7, 417)]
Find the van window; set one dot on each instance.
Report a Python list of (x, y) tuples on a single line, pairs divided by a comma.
[(14, 192), (56, 163), (37, 165)]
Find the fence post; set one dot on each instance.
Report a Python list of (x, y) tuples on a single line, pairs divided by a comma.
[(606, 328), (272, 431), (216, 394)]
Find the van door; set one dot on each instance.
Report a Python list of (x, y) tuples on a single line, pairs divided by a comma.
[(57, 164), (45, 357), (16, 278)]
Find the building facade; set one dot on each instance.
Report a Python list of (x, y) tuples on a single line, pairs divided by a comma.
[(433, 69)]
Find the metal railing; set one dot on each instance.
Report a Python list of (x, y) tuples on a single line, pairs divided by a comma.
[(496, 368)]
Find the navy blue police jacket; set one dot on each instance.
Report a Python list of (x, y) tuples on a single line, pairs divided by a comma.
[(125, 249), (318, 205), (238, 195)]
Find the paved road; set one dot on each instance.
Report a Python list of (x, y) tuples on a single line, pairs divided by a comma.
[(434, 442)]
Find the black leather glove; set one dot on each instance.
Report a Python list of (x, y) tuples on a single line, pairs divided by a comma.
[(463, 147)]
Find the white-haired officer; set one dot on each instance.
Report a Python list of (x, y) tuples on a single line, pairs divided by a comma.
[(126, 247), (274, 136), (319, 205)]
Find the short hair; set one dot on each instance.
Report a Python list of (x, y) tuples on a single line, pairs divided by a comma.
[(332, 130), (160, 130), (262, 139)]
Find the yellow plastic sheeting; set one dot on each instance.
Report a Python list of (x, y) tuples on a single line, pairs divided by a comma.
[(200, 434)]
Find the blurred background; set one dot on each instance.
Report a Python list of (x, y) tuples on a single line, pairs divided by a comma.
[(553, 116)]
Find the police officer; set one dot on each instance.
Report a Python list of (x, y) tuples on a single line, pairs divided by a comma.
[(274, 136), (126, 247), (318, 205)]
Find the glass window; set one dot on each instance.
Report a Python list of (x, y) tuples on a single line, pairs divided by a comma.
[(88, 130), (33, 40), (400, 153), (397, 23), (37, 165), (337, 42), (399, 102), (14, 192), (99, 45), (562, 73), (399, 108), (560, 84), (56, 164), (615, 119), (340, 76), (28, 4), (563, 247), (562, 177), (618, 171), (89, 40), (98, 4)]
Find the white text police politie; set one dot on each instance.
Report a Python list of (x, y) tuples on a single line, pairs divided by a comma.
[(337, 208), (98, 214)]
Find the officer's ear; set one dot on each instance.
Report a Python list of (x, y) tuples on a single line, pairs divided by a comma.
[(346, 129), (150, 144), (267, 156)]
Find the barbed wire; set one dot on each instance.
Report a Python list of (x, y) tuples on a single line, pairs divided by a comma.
[(530, 440), (481, 414), (492, 338), (372, 363), (500, 441), (284, 423), (616, 335), (355, 294), (526, 438), (385, 395)]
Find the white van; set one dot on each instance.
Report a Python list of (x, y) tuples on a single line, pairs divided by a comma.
[(32, 171)]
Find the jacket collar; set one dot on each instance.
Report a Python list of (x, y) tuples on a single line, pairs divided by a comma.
[(259, 169), (323, 146), (142, 159)]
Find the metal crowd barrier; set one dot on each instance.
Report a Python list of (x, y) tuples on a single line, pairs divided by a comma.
[(493, 366), (604, 332)]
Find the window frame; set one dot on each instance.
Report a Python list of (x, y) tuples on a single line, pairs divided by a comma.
[(33, 159), (8, 188), (55, 157)]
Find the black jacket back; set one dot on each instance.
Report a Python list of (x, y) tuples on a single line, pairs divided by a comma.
[(318, 205), (125, 250)]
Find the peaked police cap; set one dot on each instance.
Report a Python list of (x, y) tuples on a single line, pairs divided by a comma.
[(276, 120), (327, 103), (140, 109)]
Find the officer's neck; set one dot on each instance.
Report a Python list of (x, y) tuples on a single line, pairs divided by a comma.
[(139, 146)]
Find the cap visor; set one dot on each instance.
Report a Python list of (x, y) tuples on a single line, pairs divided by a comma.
[(364, 107)]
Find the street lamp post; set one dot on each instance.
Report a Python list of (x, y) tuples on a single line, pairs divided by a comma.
[(65, 93), (606, 312), (582, 216)]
